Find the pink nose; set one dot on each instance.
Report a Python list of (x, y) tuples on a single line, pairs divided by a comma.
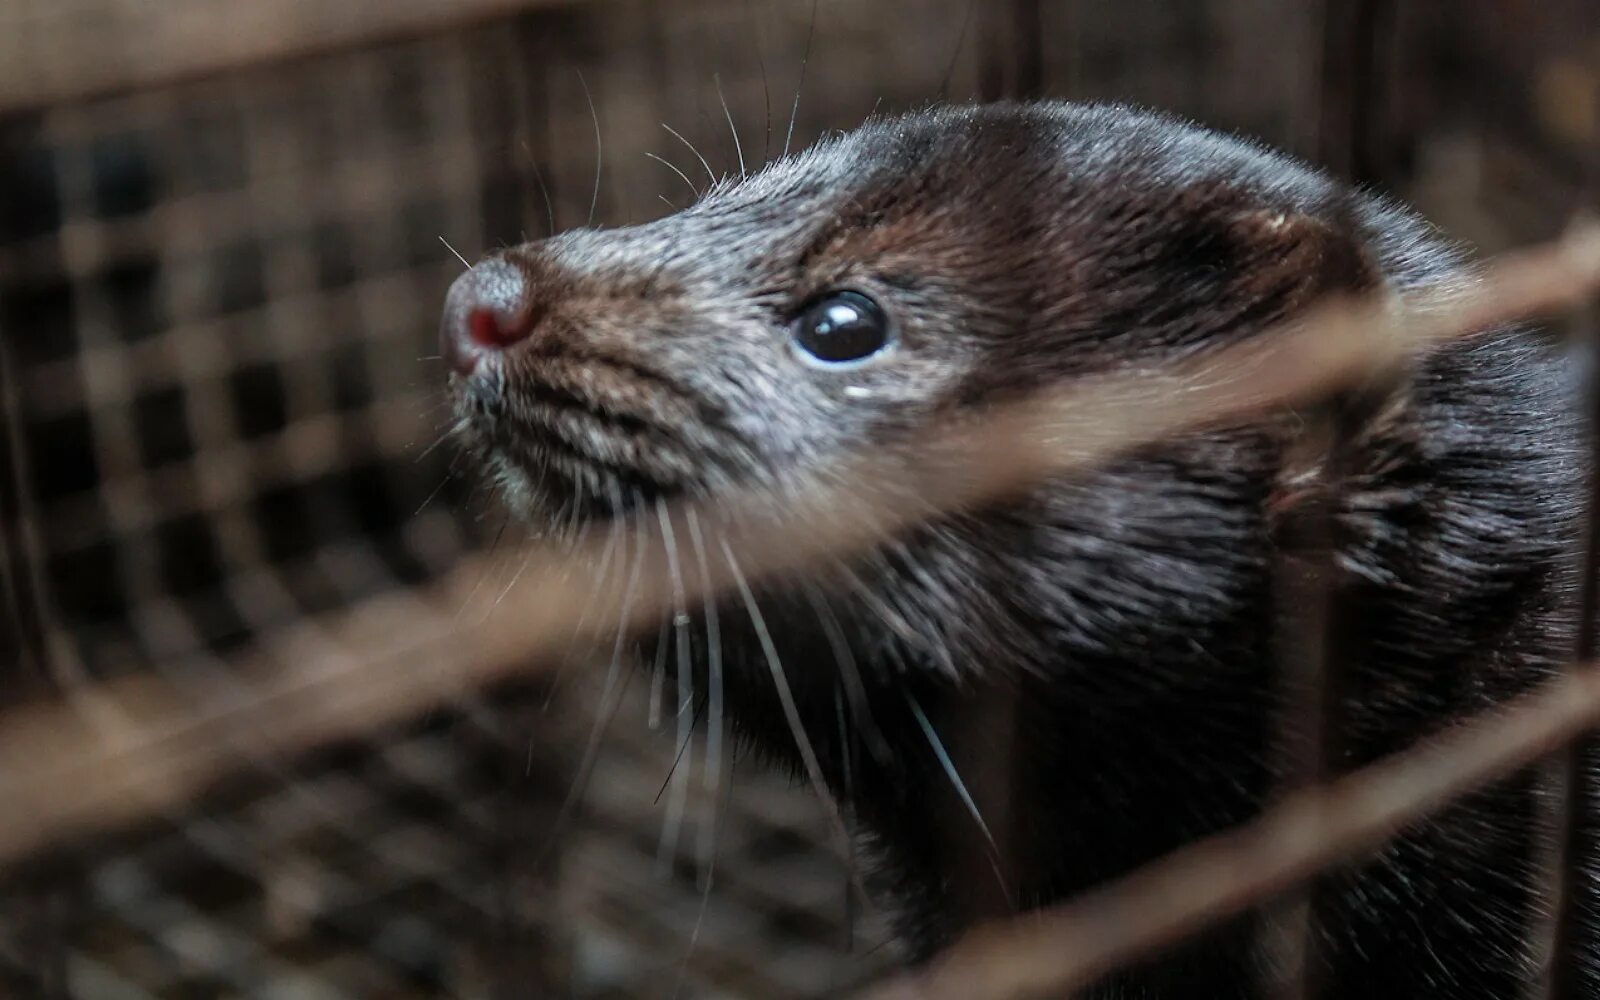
[(485, 312)]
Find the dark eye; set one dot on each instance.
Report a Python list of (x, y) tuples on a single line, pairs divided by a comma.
[(842, 327)]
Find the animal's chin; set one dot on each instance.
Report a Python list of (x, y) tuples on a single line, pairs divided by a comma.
[(602, 491), (557, 485), (564, 459)]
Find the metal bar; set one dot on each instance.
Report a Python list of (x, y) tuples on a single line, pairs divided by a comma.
[(1028, 44), (22, 647), (1574, 774), (1303, 592), (1311, 626), (1315, 624), (1353, 112), (24, 674), (1573, 829)]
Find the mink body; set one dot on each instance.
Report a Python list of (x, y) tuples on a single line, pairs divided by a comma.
[(1098, 655)]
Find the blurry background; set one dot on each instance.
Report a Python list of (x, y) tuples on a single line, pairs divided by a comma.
[(222, 255)]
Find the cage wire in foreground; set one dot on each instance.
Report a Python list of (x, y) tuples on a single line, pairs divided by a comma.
[(272, 736), (151, 745)]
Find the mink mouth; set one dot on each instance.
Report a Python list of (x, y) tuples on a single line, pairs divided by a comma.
[(569, 453), (575, 480), (581, 436)]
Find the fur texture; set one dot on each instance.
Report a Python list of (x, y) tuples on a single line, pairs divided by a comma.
[(1097, 655)]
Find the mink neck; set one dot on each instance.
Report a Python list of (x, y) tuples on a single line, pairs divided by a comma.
[(1083, 764)]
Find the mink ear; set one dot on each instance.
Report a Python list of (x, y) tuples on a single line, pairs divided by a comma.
[(1303, 259), (1295, 259)]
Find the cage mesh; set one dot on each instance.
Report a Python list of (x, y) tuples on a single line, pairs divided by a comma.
[(218, 305)]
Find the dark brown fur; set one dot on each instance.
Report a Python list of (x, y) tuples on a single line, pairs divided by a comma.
[(1097, 653)]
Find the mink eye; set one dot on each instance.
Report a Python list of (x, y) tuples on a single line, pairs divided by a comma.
[(842, 327)]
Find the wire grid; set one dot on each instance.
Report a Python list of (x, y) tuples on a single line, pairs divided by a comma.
[(212, 299), (216, 302), (218, 305)]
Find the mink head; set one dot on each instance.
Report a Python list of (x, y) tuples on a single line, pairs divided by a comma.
[(918, 268), (923, 268)]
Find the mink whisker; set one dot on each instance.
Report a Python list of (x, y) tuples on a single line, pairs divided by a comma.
[(714, 695), (599, 147), (674, 168), (464, 262), (610, 702), (805, 58), (849, 671), (949, 768), (791, 712), (766, 85), (738, 147), (680, 623), (712, 174)]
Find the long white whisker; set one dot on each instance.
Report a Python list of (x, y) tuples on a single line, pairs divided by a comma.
[(738, 147), (678, 801), (658, 676), (483, 578), (610, 701), (674, 168), (574, 517), (441, 439), (949, 767), (708, 877), (714, 721), (434, 493), (694, 937), (678, 136), (849, 672), (464, 262), (847, 764), (805, 59), (791, 712), (766, 85), (602, 574), (599, 147), (891, 617), (527, 557), (510, 568), (544, 189)]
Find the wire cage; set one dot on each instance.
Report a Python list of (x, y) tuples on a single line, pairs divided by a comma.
[(222, 255)]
